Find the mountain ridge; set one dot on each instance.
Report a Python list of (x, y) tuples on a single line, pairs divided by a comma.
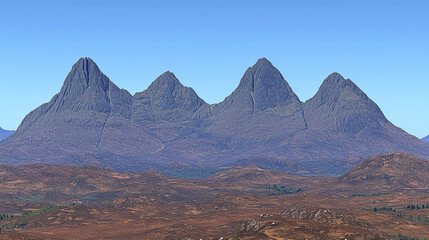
[(4, 133), (92, 121)]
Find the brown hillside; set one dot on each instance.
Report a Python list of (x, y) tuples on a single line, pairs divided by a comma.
[(396, 171), (250, 174), (65, 184), (103, 204)]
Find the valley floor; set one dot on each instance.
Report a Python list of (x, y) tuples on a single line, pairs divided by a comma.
[(243, 203)]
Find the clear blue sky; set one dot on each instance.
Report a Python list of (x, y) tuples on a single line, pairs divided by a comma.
[(383, 46)]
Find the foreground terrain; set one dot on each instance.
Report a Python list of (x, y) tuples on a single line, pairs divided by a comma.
[(384, 197)]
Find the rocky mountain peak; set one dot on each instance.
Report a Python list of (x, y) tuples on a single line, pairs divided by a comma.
[(262, 62), (85, 89), (167, 79), (166, 98), (334, 78), (83, 75), (263, 78), (342, 104), (261, 123), (334, 84), (262, 87), (85, 64)]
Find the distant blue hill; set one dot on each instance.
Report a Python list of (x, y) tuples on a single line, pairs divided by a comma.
[(426, 139), (4, 133)]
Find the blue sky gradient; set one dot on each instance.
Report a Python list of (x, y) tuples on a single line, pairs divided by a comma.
[(383, 46)]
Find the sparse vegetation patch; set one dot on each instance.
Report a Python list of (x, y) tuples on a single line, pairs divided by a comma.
[(280, 189), (368, 194)]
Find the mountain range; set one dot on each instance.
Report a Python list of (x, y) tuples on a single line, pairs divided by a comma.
[(92, 121), (4, 133), (426, 139)]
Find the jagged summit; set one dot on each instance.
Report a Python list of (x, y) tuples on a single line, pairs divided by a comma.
[(263, 109), (340, 103), (92, 121), (333, 86), (335, 82), (335, 76), (86, 69), (268, 86), (85, 89), (166, 79), (85, 62), (167, 99), (261, 62), (261, 88), (85, 72)]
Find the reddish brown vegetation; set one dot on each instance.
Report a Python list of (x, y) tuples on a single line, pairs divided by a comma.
[(231, 204)]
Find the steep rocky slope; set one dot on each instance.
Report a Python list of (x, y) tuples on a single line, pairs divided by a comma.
[(93, 121)]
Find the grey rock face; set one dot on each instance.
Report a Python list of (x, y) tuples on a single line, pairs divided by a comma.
[(167, 99), (260, 117), (92, 121), (340, 104), (262, 88), (82, 124), (426, 139), (85, 90)]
